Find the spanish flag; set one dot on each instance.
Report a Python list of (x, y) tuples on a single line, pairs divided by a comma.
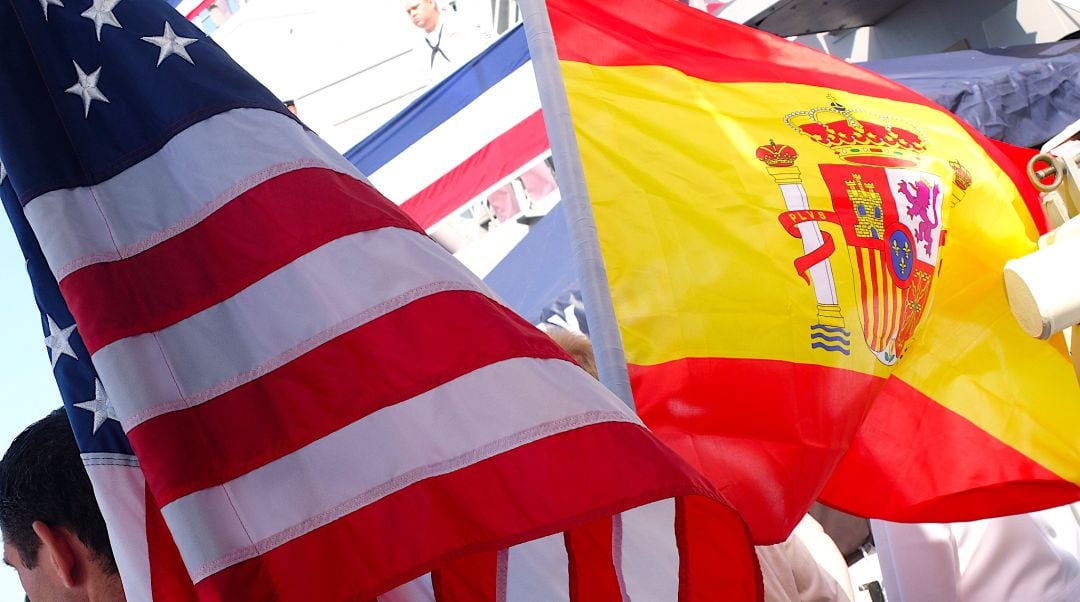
[(805, 261)]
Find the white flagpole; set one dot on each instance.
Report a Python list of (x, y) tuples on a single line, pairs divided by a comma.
[(603, 328)]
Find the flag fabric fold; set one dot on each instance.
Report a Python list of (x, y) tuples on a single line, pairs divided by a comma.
[(265, 363), (806, 263)]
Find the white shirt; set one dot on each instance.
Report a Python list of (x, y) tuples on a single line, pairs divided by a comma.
[(797, 571), (451, 44), (1027, 557)]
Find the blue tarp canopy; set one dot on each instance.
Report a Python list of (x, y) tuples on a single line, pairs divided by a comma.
[(1023, 95)]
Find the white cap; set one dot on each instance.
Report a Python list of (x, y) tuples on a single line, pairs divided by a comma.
[(1044, 288)]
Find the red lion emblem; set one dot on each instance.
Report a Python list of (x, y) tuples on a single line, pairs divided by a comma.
[(922, 201)]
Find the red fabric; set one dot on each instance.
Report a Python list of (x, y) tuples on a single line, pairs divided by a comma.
[(630, 32), (255, 234), (472, 577), (768, 435), (756, 429), (428, 520), (510, 151), (319, 394), (168, 577), (710, 562), (591, 563), (898, 450)]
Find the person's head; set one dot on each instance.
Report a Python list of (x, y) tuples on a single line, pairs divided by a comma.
[(424, 14), (53, 532), (577, 346)]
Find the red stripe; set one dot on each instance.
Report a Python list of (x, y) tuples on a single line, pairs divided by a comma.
[(873, 300), (889, 301), (591, 563), (891, 290), (655, 32), (885, 293), (703, 536), (397, 356), (898, 310), (544, 487), (496, 160), (470, 577), (859, 253), (876, 298), (777, 430), (765, 432), (915, 460), (255, 234), (168, 577)]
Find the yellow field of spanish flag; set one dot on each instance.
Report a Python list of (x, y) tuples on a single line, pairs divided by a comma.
[(806, 263)]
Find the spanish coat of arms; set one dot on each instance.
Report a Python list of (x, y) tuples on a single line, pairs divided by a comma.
[(889, 212)]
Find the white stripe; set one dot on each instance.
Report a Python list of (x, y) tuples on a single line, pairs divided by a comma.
[(502, 559), (650, 555), (194, 174), (616, 553), (502, 107), (417, 590), (108, 458), (121, 494), (308, 302), (486, 412), (539, 570)]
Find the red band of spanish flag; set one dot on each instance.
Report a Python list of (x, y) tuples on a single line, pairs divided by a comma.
[(894, 363)]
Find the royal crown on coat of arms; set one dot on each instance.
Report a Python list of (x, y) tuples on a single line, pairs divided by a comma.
[(889, 212), (860, 137)]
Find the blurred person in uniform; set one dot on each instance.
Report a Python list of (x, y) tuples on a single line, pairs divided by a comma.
[(54, 535), (448, 40), (807, 567), (1023, 557)]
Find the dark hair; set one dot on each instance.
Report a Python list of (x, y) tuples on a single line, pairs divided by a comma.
[(42, 478)]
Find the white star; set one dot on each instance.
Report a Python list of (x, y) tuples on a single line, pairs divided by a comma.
[(3, 172), (45, 6), (100, 406), (86, 87), (101, 14), (171, 43), (58, 341)]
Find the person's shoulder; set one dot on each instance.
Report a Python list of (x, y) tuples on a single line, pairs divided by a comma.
[(456, 25)]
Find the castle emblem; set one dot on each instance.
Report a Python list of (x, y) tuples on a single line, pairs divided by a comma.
[(889, 212)]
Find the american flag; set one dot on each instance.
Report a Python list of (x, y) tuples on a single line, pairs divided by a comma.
[(275, 377)]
